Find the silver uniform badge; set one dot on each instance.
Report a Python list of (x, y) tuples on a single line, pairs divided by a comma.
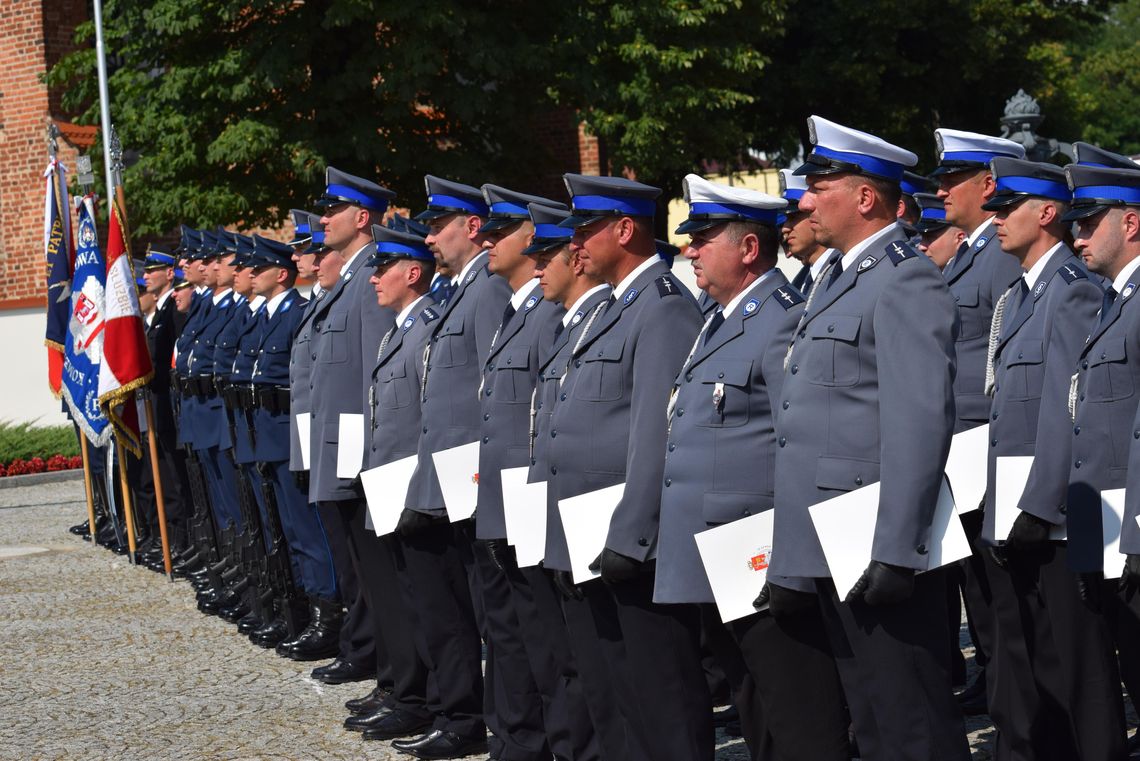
[(981, 242), (750, 307), (530, 302), (1039, 289), (408, 322), (866, 263), (1128, 289), (577, 318)]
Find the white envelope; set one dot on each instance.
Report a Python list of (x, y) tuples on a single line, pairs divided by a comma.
[(845, 526), (304, 420), (524, 509), (1010, 477), (966, 467), (586, 522), (350, 445), (1112, 519), (386, 489), (736, 558), (458, 472)]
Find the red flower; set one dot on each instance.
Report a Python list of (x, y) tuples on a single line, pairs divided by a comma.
[(75, 462), (3, 470)]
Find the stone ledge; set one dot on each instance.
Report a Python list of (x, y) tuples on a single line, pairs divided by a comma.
[(34, 479)]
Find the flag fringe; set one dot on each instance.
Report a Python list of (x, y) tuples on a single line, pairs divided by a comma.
[(123, 395)]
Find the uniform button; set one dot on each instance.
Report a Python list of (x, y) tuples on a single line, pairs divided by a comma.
[(425, 429), (1103, 355), (491, 366), (553, 470), (554, 434), (795, 369), (672, 446), (485, 439), (688, 377), (508, 361), (599, 352), (577, 363), (680, 413), (1077, 464), (831, 328), (720, 375), (668, 482), (1085, 365), (786, 404), (782, 441), (1076, 430), (1020, 355), (562, 398), (920, 549), (1136, 434), (993, 442), (1082, 397), (643, 542), (858, 480), (748, 512), (803, 334), (486, 417), (1063, 509), (993, 416), (487, 392)]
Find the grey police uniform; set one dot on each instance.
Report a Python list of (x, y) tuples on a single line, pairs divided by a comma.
[(300, 367)]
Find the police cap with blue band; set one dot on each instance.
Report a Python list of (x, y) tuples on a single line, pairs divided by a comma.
[(342, 188), (1016, 180), (507, 208), (244, 245), (913, 183), (960, 151), (271, 253), (792, 189), (1087, 154), (839, 149), (157, 260), (549, 234), (593, 198), (302, 230), (189, 241), (226, 241), (207, 247), (932, 216), (666, 251), (1096, 189), (402, 224), (317, 243), (393, 245), (445, 198), (712, 204)]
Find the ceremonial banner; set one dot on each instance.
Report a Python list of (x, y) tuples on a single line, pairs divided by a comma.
[(126, 360), (58, 255), (83, 346)]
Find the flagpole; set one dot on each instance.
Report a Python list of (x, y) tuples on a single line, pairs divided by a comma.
[(104, 98), (158, 497), (128, 513), (87, 486)]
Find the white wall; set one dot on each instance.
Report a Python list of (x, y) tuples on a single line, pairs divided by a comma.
[(24, 392)]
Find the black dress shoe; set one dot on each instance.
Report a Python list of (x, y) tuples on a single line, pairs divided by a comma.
[(441, 744), (363, 721), (341, 671), (270, 635), (368, 703), (249, 623), (79, 529), (235, 612), (972, 700), (396, 724)]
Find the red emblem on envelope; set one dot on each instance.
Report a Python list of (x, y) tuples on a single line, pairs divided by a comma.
[(761, 559), (475, 478)]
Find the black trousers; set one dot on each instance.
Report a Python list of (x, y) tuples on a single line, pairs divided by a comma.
[(894, 666), (1057, 689), (357, 643), (447, 636), (661, 690), (1122, 613), (512, 704)]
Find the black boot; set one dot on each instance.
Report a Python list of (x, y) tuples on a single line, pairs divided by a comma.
[(321, 638)]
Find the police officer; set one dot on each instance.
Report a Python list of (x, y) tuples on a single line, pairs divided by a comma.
[(404, 266), (438, 555), (570, 728), (1048, 644), (937, 238), (792, 704), (798, 236), (912, 184), (610, 430), (868, 397)]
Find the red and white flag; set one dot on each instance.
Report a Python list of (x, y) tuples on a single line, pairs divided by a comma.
[(126, 360)]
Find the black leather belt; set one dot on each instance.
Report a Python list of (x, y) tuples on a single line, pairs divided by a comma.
[(273, 399)]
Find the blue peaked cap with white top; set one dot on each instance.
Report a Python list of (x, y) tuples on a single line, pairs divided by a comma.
[(342, 187), (593, 198), (960, 151), (840, 149), (792, 188), (712, 204), (932, 213)]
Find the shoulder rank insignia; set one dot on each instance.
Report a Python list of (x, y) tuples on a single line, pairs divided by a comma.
[(630, 295), (1128, 290), (1070, 273), (666, 287), (1039, 289), (429, 314), (900, 251), (530, 303), (788, 297), (577, 318), (866, 264)]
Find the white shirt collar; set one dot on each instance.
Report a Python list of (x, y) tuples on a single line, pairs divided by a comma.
[(273, 303), (818, 265), (352, 259), (466, 269), (730, 307), (219, 295), (858, 249), (1121, 281), (162, 299), (200, 289), (316, 290), (1035, 272), (627, 281), (403, 315), (978, 231), (519, 296), (573, 310)]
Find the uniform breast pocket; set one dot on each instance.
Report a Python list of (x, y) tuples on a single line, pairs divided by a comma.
[(334, 339), (834, 359), (1109, 377), (449, 347), (512, 378), (974, 321), (1024, 370), (395, 387), (601, 378), (726, 386)]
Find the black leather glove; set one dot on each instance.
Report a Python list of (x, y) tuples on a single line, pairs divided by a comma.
[(997, 554), (1089, 587), (784, 603), (883, 584), (499, 552), (565, 583), (615, 567), (1028, 531), (1130, 579), (412, 522), (301, 478)]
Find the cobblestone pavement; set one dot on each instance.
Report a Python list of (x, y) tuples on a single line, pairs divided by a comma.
[(105, 661)]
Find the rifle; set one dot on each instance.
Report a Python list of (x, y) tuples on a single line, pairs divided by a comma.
[(278, 569), (251, 546)]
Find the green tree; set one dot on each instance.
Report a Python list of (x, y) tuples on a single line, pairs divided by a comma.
[(1107, 82)]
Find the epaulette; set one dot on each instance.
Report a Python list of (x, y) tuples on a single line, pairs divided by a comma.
[(900, 251), (1071, 273), (787, 297), (429, 314), (666, 286)]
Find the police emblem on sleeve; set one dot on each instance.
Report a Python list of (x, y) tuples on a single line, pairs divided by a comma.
[(630, 296), (1039, 289), (981, 242), (577, 318), (1128, 289), (899, 251), (409, 322)]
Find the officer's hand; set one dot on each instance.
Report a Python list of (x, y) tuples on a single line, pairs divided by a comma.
[(499, 552), (784, 603), (565, 583), (412, 522), (1088, 589), (997, 554), (883, 584), (764, 598), (301, 478), (616, 568), (1130, 579), (1028, 531)]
